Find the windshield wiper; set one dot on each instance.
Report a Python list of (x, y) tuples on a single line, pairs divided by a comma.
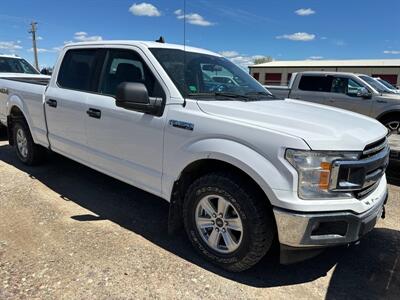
[(261, 94), (225, 95)]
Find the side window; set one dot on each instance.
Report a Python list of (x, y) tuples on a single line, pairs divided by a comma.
[(127, 66), (340, 85), (354, 88), (315, 83), (76, 71), (347, 86)]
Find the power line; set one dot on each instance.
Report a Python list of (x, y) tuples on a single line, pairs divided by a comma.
[(35, 53)]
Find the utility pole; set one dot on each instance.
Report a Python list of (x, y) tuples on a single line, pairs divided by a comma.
[(35, 53)]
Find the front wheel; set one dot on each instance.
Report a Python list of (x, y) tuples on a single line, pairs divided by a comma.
[(226, 223), (393, 124)]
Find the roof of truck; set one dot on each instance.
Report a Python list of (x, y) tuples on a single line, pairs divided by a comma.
[(331, 63), (147, 44)]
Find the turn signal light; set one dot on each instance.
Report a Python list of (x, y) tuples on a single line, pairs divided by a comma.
[(324, 175)]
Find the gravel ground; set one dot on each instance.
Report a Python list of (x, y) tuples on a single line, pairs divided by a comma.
[(68, 232)]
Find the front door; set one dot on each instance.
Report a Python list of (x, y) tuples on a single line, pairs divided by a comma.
[(344, 94), (123, 143)]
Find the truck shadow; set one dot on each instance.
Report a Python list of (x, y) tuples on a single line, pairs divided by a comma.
[(370, 270)]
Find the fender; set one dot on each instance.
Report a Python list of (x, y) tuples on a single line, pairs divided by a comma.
[(257, 166), (393, 109), (16, 101)]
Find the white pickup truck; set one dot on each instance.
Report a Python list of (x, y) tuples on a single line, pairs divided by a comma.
[(240, 168)]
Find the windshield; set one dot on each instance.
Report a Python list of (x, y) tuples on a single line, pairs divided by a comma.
[(207, 77), (16, 65), (376, 84), (385, 83)]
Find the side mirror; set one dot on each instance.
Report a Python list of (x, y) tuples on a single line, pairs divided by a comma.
[(134, 96), (364, 93)]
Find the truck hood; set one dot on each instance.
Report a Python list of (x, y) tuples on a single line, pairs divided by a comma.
[(23, 75), (321, 127)]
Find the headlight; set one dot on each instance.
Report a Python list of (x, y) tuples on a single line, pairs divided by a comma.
[(314, 169)]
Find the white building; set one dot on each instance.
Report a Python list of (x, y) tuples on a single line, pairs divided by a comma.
[(280, 72)]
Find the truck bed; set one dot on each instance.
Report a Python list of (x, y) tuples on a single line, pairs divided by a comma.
[(40, 81)]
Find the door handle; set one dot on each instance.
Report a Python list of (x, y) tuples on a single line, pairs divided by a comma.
[(51, 103), (381, 101), (94, 113)]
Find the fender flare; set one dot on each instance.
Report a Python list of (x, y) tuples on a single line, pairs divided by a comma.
[(395, 109), (248, 160)]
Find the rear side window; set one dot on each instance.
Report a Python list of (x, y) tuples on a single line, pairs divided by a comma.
[(77, 70), (315, 83)]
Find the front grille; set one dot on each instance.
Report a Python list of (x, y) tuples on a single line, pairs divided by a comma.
[(374, 148), (362, 176)]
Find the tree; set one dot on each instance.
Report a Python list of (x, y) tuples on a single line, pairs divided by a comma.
[(262, 60)]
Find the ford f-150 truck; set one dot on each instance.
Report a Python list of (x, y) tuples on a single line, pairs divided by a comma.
[(240, 168), (355, 92)]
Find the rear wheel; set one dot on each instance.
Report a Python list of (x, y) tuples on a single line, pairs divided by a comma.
[(27, 151), (3, 130), (227, 223)]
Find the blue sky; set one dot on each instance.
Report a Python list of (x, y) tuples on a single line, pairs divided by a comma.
[(242, 30)]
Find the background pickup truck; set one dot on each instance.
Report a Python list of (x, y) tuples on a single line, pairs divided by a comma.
[(355, 92), (240, 168), (14, 67)]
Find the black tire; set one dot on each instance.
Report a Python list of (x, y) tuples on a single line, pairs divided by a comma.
[(394, 120), (259, 229), (35, 153)]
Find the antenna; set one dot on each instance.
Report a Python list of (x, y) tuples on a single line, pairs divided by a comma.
[(184, 52), (161, 40)]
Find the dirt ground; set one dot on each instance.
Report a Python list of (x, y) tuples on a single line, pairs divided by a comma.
[(68, 232)]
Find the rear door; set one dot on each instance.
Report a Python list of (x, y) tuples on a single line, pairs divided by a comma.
[(312, 88), (126, 144), (65, 102), (344, 94)]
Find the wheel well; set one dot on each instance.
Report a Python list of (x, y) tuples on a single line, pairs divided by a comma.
[(196, 170), (15, 113), (388, 115)]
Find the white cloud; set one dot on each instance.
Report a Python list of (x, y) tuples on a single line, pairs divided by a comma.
[(242, 60), (315, 57), (41, 50), (144, 9), (395, 52), (82, 36), (38, 38), (298, 36), (229, 54), (193, 18), (304, 12), (11, 46)]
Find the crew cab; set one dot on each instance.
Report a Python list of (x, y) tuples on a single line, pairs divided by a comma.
[(355, 92), (241, 169)]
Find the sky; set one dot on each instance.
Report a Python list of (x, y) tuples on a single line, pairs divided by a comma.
[(241, 30)]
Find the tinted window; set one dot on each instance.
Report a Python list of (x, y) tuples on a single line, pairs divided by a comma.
[(347, 86), (198, 74), (127, 66), (77, 70), (315, 83), (16, 65)]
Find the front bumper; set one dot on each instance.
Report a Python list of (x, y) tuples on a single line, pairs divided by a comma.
[(318, 230)]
